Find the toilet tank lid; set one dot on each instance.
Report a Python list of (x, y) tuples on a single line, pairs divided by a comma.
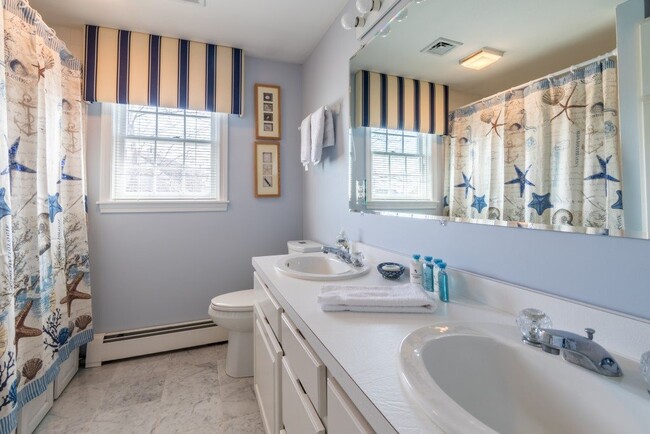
[(235, 301), (304, 246)]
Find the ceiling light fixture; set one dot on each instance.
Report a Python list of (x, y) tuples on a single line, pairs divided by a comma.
[(482, 58), (349, 21), (366, 6)]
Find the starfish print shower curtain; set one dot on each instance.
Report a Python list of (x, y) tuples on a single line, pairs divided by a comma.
[(545, 153), (45, 310)]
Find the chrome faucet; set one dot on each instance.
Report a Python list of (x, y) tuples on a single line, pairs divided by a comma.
[(342, 254), (580, 350)]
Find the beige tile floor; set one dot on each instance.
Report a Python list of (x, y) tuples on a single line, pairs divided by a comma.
[(184, 391)]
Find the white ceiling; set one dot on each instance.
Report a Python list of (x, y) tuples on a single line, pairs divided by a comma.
[(539, 37), (286, 30)]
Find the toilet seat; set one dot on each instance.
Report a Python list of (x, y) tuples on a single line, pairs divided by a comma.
[(238, 301)]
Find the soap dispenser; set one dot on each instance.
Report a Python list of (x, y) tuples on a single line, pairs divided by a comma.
[(342, 241)]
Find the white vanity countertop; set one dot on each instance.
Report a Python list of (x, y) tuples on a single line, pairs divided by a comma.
[(366, 345)]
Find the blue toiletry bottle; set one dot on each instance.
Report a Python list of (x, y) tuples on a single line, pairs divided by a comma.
[(428, 274), (436, 269), (443, 282)]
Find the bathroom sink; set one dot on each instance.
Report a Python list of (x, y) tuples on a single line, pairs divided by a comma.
[(478, 378), (318, 266)]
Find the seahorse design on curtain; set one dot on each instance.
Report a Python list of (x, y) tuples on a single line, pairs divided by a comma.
[(45, 297), (547, 152)]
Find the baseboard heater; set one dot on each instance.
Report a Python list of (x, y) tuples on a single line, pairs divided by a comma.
[(140, 342)]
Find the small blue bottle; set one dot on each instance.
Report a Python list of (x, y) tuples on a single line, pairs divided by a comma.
[(443, 282), (436, 269), (427, 277)]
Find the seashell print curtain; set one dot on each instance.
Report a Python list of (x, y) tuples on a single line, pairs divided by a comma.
[(545, 153), (45, 298)]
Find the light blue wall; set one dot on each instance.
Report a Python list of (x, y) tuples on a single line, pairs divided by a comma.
[(608, 272), (163, 268)]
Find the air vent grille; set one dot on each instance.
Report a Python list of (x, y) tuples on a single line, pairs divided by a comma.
[(441, 46), (194, 2)]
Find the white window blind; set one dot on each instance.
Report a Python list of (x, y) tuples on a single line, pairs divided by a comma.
[(165, 154), (400, 166)]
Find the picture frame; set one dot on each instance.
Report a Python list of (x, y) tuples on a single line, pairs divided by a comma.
[(267, 112), (267, 169)]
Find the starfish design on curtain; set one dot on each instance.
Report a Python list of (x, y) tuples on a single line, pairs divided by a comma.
[(521, 180), (540, 203), (618, 204), (495, 125), (54, 206), (65, 176), (23, 331), (4, 207), (603, 172), (15, 166), (72, 294), (466, 184), (479, 203), (566, 106)]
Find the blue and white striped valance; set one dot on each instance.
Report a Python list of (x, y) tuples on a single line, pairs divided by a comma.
[(136, 68), (389, 101)]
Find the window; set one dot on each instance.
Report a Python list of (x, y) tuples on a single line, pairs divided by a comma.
[(400, 169), (163, 159)]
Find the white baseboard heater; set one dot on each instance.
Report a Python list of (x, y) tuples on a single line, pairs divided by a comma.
[(132, 343)]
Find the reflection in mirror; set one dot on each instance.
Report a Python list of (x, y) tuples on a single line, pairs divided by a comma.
[(532, 140)]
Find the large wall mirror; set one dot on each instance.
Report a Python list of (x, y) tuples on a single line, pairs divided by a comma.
[(532, 140)]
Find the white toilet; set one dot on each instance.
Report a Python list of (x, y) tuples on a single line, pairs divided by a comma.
[(234, 312)]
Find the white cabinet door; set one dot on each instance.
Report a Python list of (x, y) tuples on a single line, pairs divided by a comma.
[(267, 374), (298, 415), (342, 416)]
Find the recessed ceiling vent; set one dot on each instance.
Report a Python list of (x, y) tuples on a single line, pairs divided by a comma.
[(194, 2), (441, 46)]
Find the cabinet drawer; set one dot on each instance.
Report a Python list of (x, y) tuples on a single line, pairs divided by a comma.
[(342, 415), (306, 365), (271, 308), (298, 415), (268, 355)]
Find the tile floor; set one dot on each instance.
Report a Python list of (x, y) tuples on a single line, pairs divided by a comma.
[(184, 391)]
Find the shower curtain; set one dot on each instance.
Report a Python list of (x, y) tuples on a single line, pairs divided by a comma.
[(546, 153), (45, 310)]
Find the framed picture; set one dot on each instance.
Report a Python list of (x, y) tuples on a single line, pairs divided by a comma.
[(267, 169), (267, 111)]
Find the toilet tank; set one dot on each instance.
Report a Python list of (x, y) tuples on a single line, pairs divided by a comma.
[(303, 246)]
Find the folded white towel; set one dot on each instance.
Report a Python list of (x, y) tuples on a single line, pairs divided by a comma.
[(329, 138), (382, 309), (317, 131), (409, 295), (305, 141)]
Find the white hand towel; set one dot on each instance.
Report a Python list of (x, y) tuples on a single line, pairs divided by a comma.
[(409, 295), (329, 138), (381, 309), (317, 130), (305, 141)]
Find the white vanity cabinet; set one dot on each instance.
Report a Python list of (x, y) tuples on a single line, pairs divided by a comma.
[(291, 380), (268, 360)]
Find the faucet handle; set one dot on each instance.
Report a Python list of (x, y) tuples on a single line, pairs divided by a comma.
[(590, 333)]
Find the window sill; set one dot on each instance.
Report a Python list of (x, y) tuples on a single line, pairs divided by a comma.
[(154, 206)]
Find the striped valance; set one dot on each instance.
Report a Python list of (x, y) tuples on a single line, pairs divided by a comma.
[(389, 101), (136, 68)]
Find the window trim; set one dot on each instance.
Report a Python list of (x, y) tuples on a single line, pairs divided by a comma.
[(107, 204), (399, 204)]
